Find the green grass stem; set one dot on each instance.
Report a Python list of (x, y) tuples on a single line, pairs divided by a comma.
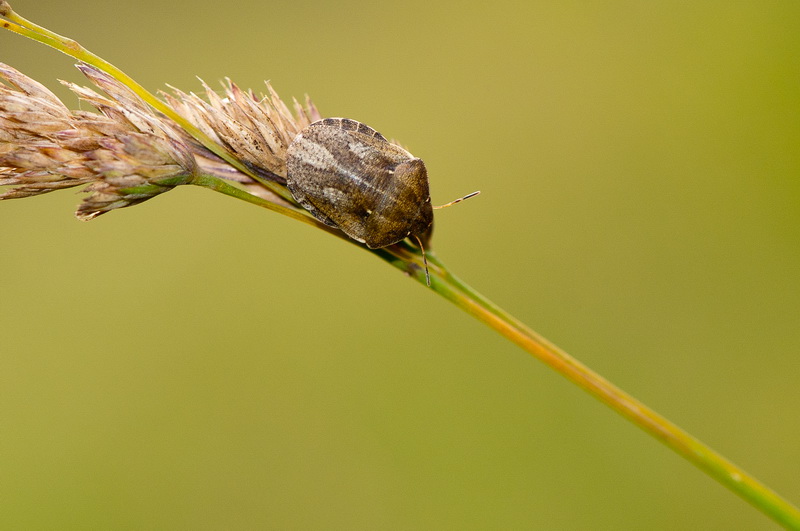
[(408, 259)]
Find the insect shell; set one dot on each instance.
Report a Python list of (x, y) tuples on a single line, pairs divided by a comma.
[(350, 177)]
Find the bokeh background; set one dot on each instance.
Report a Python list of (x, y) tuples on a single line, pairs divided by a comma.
[(199, 363)]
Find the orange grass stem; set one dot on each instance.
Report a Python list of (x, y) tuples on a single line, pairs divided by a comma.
[(701, 455), (408, 259)]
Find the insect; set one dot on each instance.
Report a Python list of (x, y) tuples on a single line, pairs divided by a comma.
[(348, 176)]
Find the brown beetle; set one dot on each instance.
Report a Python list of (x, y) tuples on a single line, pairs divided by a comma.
[(350, 177)]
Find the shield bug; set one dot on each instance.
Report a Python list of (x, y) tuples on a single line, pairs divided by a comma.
[(348, 176)]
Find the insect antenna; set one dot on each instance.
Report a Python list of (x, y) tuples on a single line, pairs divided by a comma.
[(422, 248), (451, 203), (424, 261)]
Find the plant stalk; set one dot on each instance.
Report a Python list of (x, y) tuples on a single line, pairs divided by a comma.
[(22, 26), (701, 455), (408, 259)]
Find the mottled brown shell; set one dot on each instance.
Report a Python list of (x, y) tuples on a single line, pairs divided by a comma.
[(350, 177)]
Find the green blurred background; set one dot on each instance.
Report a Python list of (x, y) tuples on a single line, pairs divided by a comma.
[(199, 363)]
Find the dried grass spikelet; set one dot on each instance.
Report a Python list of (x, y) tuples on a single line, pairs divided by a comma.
[(257, 130), (128, 153), (124, 153)]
